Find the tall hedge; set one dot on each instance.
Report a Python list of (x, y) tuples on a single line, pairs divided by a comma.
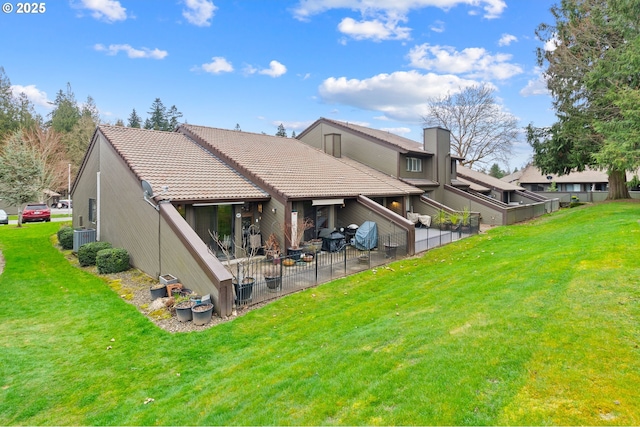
[(112, 260), (87, 252)]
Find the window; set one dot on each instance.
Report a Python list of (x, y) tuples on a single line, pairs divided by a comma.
[(414, 164), (93, 213)]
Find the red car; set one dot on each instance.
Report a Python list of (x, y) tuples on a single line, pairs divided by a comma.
[(36, 212)]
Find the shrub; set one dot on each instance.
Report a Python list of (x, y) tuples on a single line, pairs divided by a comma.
[(112, 260), (87, 252), (65, 237)]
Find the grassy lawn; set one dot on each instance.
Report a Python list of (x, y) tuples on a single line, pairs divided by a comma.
[(527, 325)]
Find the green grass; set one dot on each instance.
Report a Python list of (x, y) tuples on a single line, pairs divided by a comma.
[(534, 324)]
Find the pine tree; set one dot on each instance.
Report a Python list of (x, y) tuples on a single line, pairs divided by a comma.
[(281, 131), (134, 120), (172, 118), (158, 116), (66, 112)]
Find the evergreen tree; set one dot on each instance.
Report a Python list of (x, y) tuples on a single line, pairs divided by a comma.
[(495, 171), (8, 113), (172, 118), (238, 127), (158, 116), (135, 121), (119, 122), (281, 131), (293, 134), (66, 112), (593, 79)]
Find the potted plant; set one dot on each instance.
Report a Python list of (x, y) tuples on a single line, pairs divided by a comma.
[(442, 219), (273, 278), (158, 291), (183, 307), (272, 248), (455, 220), (240, 271), (465, 216), (202, 314), (303, 225)]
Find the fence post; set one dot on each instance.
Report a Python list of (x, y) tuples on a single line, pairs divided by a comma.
[(316, 260)]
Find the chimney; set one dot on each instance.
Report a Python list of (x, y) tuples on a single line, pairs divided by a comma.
[(438, 141)]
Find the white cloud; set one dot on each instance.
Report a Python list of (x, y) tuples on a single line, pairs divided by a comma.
[(401, 95), (307, 8), (473, 62), (35, 95), (551, 44), (375, 29), (217, 65), (199, 12), (537, 86), (507, 39), (275, 69), (105, 10), (131, 52), (397, 131), (437, 27), (290, 126)]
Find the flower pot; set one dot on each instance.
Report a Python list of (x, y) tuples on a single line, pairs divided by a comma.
[(288, 262), (202, 314), (244, 290), (294, 253), (274, 284), (183, 310), (307, 258), (158, 291)]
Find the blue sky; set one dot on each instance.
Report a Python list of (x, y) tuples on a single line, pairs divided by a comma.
[(259, 63)]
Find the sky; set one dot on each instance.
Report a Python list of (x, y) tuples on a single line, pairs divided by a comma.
[(259, 63)]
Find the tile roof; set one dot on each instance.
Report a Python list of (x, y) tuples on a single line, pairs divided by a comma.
[(485, 180), (295, 169), (171, 159), (398, 141)]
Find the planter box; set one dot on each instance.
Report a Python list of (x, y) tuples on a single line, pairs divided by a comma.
[(168, 279)]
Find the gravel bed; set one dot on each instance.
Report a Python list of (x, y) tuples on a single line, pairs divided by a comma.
[(133, 287)]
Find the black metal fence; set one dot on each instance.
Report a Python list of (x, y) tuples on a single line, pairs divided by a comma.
[(263, 279)]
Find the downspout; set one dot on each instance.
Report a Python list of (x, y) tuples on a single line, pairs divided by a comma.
[(98, 206)]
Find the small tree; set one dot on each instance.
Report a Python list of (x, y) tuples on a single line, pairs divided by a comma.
[(21, 173), (134, 121)]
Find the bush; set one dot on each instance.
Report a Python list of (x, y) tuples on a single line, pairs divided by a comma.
[(87, 252), (65, 237), (112, 260)]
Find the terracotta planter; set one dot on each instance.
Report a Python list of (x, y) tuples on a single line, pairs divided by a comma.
[(183, 311), (202, 314)]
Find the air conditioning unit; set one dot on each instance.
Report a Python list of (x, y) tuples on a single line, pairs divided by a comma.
[(82, 236)]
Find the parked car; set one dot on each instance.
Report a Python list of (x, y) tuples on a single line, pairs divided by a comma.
[(36, 212), (4, 218), (62, 204)]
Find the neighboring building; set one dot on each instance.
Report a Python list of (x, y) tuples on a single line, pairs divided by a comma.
[(590, 185), (429, 166)]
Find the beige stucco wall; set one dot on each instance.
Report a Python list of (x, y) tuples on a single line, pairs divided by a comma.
[(86, 188)]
